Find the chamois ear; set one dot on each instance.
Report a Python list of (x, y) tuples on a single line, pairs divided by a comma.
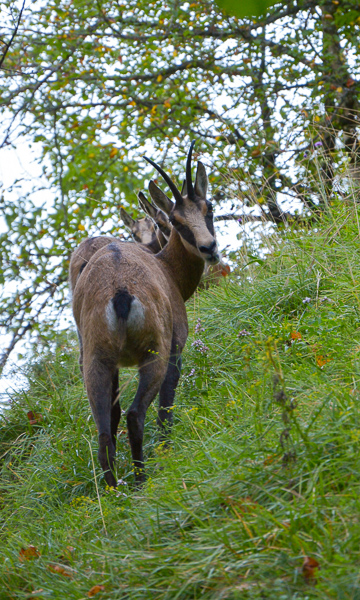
[(146, 206), (201, 181), (160, 199), (184, 188), (127, 220)]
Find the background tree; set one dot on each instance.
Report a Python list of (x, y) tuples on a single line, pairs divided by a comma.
[(96, 85)]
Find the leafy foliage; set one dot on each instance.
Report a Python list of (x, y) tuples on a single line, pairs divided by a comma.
[(95, 85), (252, 8)]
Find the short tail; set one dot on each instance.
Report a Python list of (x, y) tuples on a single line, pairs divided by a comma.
[(125, 309)]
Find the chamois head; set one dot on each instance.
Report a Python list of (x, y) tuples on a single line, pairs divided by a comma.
[(191, 214), (143, 230), (157, 215)]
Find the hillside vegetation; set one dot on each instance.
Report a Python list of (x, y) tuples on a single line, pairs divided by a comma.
[(258, 496)]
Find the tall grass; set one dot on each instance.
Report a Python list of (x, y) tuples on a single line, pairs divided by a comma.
[(263, 473)]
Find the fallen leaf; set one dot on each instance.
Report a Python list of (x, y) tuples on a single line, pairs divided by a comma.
[(68, 552), (350, 82), (28, 553), (309, 566), (321, 361), (95, 590), (59, 569), (34, 417), (113, 152), (295, 335)]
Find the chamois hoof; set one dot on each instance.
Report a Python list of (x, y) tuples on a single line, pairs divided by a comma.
[(140, 477), (110, 479), (106, 456)]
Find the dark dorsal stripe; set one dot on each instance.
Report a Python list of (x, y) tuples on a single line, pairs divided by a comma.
[(116, 253)]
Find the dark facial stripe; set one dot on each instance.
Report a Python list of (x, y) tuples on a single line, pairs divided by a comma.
[(210, 223), (185, 232), (136, 237)]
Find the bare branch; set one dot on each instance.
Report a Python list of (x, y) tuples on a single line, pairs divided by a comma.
[(12, 37)]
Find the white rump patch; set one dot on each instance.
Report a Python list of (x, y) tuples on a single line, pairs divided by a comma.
[(136, 318), (110, 316)]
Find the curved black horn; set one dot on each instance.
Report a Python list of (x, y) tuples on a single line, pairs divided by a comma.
[(175, 192), (189, 185)]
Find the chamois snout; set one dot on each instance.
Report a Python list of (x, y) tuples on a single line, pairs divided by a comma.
[(210, 253)]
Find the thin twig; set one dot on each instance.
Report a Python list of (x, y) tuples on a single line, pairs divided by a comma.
[(13, 35)]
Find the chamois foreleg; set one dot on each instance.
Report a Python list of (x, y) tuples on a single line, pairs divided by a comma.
[(167, 391), (99, 382), (151, 375), (115, 407)]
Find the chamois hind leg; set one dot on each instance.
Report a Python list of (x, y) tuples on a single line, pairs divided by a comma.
[(81, 356), (167, 392), (151, 375), (115, 407), (99, 386)]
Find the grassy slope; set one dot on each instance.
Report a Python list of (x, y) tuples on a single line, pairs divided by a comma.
[(264, 468)]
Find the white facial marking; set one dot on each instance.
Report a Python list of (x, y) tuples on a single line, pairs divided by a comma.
[(146, 237)]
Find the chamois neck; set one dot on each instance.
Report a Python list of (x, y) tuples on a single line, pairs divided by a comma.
[(157, 244), (185, 267)]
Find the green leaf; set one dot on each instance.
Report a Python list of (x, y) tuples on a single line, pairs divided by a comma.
[(250, 8), (199, 382)]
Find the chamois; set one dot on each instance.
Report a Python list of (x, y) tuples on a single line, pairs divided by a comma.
[(144, 232), (213, 274), (129, 308)]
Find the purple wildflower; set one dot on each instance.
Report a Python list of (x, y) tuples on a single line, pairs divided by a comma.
[(200, 346), (243, 332), (198, 327), (318, 144), (121, 482), (306, 300), (192, 373)]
